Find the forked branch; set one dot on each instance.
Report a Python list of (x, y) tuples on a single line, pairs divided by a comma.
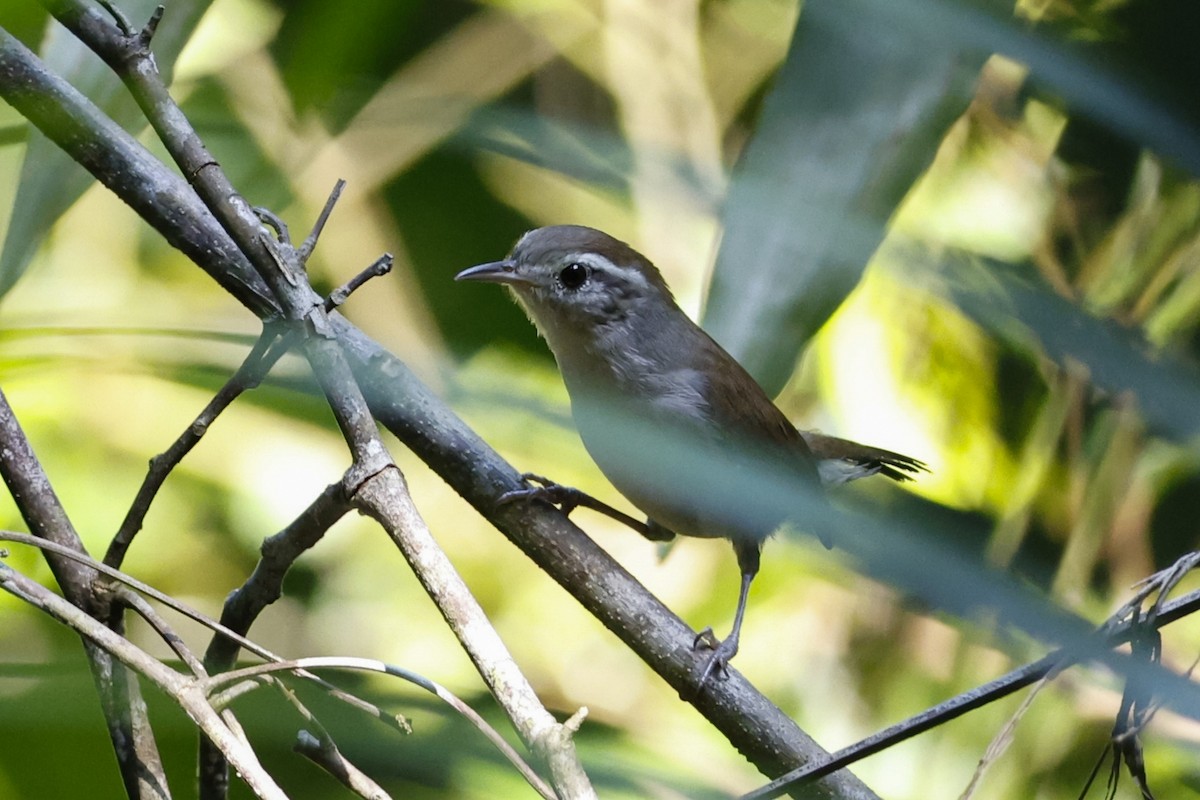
[(373, 481)]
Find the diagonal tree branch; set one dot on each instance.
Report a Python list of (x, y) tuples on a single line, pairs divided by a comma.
[(423, 423), (267, 350), (262, 356), (373, 480), (265, 584), (1120, 629), (322, 751), (187, 692), (297, 666), (120, 698)]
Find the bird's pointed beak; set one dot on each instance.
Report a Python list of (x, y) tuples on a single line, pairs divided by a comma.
[(494, 272)]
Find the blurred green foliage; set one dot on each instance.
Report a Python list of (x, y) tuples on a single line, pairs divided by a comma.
[(1024, 317)]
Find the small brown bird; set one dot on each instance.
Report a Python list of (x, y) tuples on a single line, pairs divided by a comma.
[(632, 360)]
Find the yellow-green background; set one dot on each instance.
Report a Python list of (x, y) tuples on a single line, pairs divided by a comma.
[(111, 342)]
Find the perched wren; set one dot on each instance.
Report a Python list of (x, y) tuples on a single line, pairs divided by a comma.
[(630, 357)]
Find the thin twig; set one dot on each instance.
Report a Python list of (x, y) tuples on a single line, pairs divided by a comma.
[(225, 698), (381, 266), (1002, 739), (372, 665), (146, 34), (1119, 629), (253, 369), (179, 687), (137, 603), (265, 584), (322, 751), (143, 588), (123, 22), (310, 242), (274, 222), (393, 721)]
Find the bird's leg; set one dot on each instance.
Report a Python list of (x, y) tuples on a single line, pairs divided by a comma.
[(723, 651), (567, 499)]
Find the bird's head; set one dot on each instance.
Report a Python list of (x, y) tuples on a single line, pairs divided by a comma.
[(575, 281)]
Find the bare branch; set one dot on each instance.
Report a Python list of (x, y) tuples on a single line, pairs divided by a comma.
[(391, 720), (1119, 629), (422, 421), (385, 498), (265, 584), (143, 609), (123, 21), (441, 692), (186, 692), (1002, 739), (273, 221), (120, 698), (249, 375), (130, 58), (251, 372), (322, 751), (310, 241), (124, 165), (381, 266)]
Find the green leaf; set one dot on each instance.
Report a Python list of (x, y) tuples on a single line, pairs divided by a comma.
[(856, 115), (50, 181), (1014, 305), (860, 106)]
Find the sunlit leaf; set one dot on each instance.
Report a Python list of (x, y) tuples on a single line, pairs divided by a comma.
[(1119, 360), (856, 115), (50, 181)]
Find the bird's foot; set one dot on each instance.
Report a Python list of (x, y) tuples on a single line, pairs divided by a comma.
[(717, 665), (546, 490)]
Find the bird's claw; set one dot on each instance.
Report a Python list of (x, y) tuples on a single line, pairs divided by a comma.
[(706, 639), (717, 664), (546, 490)]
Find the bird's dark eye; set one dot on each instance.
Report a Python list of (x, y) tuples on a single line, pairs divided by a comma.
[(573, 275)]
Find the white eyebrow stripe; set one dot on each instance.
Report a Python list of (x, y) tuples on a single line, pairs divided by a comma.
[(598, 262)]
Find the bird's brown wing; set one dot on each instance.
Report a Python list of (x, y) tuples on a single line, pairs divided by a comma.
[(742, 409)]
